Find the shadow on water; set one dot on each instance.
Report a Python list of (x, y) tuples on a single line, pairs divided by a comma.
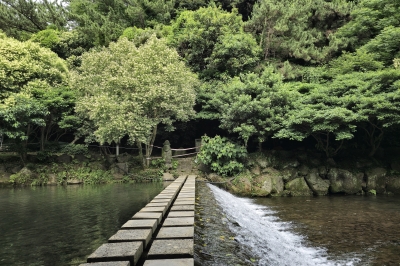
[(297, 231), (63, 225)]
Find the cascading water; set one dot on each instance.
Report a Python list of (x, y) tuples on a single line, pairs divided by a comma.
[(266, 236)]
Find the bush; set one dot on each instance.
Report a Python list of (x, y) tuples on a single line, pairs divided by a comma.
[(74, 149), (222, 156)]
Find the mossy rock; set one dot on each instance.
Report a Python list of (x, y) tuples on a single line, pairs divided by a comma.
[(298, 187)]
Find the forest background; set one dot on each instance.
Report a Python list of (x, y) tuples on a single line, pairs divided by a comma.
[(323, 74)]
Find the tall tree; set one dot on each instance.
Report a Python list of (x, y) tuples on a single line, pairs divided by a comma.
[(130, 91), (21, 18)]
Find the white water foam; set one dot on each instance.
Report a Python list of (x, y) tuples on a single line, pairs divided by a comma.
[(268, 237)]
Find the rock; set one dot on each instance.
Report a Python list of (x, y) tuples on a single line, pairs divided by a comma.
[(263, 162), (168, 177), (111, 159), (65, 158), (395, 166), (363, 163), (120, 168), (52, 181), (343, 181), (24, 176), (272, 185), (303, 170), (81, 158), (289, 174), (322, 171), (74, 181), (96, 156), (298, 187), (32, 158), (315, 162), (393, 185), (204, 168), (318, 185), (16, 169), (256, 170), (289, 163), (123, 158), (376, 179)]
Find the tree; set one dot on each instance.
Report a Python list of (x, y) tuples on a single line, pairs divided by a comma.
[(251, 105), (320, 115), (213, 42), (130, 91), (297, 30), (21, 18), (30, 78)]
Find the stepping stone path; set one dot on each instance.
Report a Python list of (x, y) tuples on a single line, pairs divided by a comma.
[(160, 234)]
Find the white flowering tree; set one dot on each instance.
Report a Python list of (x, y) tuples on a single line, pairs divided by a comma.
[(130, 91)]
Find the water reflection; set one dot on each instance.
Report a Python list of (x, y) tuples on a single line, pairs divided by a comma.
[(63, 225)]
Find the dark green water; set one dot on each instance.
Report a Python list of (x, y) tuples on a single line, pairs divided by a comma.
[(63, 225)]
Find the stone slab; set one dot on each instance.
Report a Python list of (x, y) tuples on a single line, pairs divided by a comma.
[(148, 215), (143, 235), (182, 208), (141, 224), (181, 221), (109, 263), (161, 209), (186, 195), (177, 248), (164, 197), (157, 204), (184, 198), (170, 262), (181, 214), (130, 251), (176, 233), (184, 202)]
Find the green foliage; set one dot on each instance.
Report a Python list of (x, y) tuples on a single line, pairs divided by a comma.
[(297, 29), (212, 41), (43, 156), (74, 149), (222, 156), (127, 90), (21, 18)]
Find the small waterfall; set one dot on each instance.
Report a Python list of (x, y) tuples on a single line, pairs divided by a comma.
[(266, 236)]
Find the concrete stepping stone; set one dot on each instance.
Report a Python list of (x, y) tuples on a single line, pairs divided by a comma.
[(184, 202), (141, 224), (170, 262), (181, 221), (176, 248), (143, 235), (108, 263), (176, 233), (130, 251), (181, 214), (157, 204), (161, 209), (182, 208), (148, 215), (184, 199)]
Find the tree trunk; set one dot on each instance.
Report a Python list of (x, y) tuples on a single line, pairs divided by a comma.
[(42, 138), (117, 149), (139, 144), (149, 145)]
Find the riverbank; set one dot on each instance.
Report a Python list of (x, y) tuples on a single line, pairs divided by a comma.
[(65, 169), (304, 173)]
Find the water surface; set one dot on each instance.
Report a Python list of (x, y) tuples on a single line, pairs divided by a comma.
[(63, 225)]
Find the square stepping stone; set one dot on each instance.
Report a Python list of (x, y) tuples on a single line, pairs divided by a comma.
[(184, 202), (125, 251), (108, 263), (184, 198), (161, 209), (176, 232), (164, 197), (181, 214), (141, 224), (170, 262), (181, 221), (177, 248), (148, 215), (182, 208), (157, 204), (143, 235)]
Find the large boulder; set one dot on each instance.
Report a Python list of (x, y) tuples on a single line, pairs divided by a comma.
[(318, 185), (25, 176), (376, 180), (124, 158), (298, 187), (81, 158), (343, 181), (272, 184), (393, 185), (289, 174)]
